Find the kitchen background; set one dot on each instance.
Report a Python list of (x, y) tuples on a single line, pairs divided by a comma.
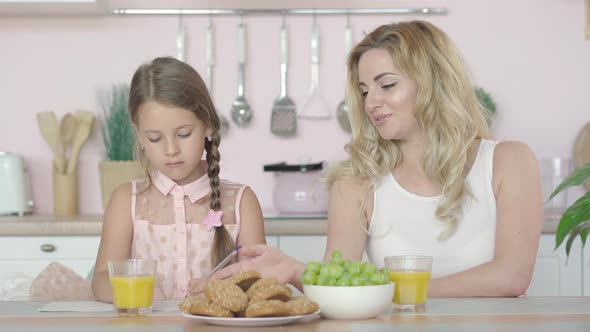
[(531, 56)]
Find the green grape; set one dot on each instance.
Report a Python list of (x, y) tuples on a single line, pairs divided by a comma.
[(378, 279), (345, 264), (325, 269), (354, 268), (343, 282), (313, 267), (356, 281), (337, 261), (308, 278), (335, 271), (337, 254), (331, 282), (364, 276), (322, 280), (368, 268)]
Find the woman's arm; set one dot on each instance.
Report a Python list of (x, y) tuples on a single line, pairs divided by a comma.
[(115, 241), (344, 224), (519, 215), (251, 220)]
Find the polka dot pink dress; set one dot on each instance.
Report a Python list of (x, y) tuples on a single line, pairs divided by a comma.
[(167, 227)]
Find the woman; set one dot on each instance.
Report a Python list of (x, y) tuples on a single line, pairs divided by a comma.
[(422, 178)]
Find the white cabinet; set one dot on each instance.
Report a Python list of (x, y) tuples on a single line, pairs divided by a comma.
[(272, 241), (31, 254), (304, 248), (552, 276)]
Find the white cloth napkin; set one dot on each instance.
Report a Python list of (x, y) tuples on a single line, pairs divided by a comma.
[(96, 306)]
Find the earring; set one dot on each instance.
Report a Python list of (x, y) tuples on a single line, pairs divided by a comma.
[(142, 147), (209, 138)]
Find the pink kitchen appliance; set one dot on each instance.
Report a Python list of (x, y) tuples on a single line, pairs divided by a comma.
[(297, 189), (15, 185)]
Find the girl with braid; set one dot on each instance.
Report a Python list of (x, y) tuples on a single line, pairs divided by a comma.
[(182, 214)]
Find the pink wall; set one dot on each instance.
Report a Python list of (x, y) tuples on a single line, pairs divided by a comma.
[(531, 55)]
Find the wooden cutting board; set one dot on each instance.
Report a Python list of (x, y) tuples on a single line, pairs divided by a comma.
[(582, 150)]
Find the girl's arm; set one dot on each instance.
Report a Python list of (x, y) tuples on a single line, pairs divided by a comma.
[(115, 241), (344, 227), (251, 220), (519, 215)]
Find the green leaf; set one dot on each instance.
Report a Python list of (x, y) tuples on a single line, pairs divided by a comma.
[(585, 226), (578, 176), (576, 214), (116, 127)]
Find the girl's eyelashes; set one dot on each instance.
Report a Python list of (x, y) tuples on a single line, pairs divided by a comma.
[(184, 135), (154, 140)]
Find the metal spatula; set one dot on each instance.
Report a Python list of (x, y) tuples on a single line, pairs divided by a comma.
[(315, 106), (283, 119), (210, 54), (241, 113), (342, 110)]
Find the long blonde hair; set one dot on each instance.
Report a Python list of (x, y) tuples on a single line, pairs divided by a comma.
[(447, 108), (169, 81)]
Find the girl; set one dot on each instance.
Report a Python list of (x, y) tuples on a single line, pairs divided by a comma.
[(422, 178), (182, 214)]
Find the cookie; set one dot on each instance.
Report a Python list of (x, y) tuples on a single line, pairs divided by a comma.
[(269, 308), (272, 292), (261, 283), (226, 295), (302, 306), (196, 306), (245, 279)]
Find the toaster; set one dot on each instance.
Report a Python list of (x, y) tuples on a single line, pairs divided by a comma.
[(15, 185)]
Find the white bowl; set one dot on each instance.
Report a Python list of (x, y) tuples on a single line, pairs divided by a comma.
[(354, 302)]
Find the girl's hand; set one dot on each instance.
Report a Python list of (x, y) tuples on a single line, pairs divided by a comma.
[(268, 261)]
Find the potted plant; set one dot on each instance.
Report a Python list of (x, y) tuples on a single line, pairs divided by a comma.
[(576, 218), (120, 166), (486, 100)]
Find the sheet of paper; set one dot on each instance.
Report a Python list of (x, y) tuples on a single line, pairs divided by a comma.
[(96, 306)]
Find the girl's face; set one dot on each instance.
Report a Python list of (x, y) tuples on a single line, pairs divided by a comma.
[(389, 96), (174, 140)]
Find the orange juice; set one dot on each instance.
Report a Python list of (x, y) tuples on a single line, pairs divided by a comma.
[(132, 292), (411, 287)]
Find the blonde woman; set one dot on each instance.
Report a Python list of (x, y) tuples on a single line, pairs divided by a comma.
[(422, 177)]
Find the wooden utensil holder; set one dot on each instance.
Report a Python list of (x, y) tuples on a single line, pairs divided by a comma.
[(65, 194)]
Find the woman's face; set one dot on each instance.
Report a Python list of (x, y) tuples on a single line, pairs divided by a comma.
[(389, 96)]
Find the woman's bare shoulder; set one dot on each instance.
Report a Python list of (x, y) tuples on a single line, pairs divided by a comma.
[(512, 158)]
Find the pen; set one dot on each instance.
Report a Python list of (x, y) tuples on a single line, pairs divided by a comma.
[(223, 262)]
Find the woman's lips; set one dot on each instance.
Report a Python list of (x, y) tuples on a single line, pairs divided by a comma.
[(174, 164), (380, 119)]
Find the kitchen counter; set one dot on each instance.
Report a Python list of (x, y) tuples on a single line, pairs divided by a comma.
[(44, 225), (471, 314), (88, 225)]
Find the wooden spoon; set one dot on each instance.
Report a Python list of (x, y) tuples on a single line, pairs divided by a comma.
[(50, 132), (67, 131), (84, 125)]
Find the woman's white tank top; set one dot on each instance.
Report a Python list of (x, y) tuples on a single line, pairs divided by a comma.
[(405, 224)]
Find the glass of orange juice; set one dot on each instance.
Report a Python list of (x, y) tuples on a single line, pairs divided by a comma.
[(411, 275), (133, 283)]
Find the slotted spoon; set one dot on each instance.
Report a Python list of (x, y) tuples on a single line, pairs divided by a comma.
[(283, 119)]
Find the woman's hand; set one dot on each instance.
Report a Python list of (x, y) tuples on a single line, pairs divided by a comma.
[(268, 261)]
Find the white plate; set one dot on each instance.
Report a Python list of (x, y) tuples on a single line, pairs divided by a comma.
[(245, 322)]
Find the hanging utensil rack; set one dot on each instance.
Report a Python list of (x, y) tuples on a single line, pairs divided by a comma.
[(290, 11)]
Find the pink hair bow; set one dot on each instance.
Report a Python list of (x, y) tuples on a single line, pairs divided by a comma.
[(213, 219)]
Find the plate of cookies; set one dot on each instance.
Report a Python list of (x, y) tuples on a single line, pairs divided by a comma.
[(247, 299)]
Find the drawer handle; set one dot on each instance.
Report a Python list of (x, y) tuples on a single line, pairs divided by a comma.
[(47, 248)]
